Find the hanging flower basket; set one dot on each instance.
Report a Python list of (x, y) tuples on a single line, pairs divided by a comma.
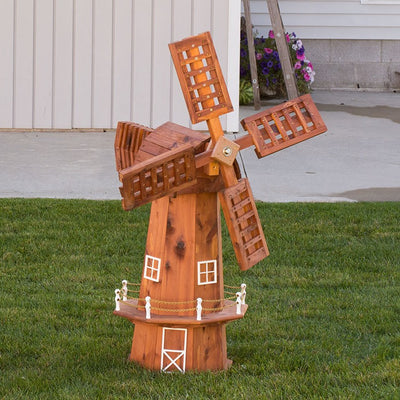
[(269, 69)]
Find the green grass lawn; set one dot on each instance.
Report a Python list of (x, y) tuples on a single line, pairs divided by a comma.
[(323, 319)]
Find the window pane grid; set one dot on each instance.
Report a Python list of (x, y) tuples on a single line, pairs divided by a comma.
[(152, 268), (207, 272)]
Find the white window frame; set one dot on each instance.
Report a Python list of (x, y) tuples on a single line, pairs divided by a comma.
[(173, 355), (207, 271), (152, 264)]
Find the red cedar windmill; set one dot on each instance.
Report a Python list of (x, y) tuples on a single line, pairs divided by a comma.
[(180, 313)]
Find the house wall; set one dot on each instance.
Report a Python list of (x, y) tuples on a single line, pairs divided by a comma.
[(79, 64), (351, 43)]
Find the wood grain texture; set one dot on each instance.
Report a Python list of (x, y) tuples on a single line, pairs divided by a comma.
[(283, 50), (284, 125), (252, 55), (244, 224), (200, 76)]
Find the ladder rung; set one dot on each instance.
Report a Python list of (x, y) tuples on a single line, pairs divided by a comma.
[(280, 127), (257, 255), (195, 72), (289, 121), (241, 204), (269, 130), (253, 241), (300, 117), (209, 96), (194, 59), (249, 229), (204, 84), (245, 217), (207, 111)]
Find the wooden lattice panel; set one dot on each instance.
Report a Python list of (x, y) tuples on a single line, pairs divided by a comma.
[(284, 125), (244, 224), (159, 176), (201, 78), (128, 139)]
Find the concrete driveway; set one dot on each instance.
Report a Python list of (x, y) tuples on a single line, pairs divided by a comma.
[(358, 159)]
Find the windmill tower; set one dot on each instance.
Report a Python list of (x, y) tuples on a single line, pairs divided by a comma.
[(180, 313)]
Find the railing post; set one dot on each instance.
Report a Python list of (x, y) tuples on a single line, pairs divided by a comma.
[(124, 290), (243, 293), (199, 308), (148, 307), (117, 299), (238, 303)]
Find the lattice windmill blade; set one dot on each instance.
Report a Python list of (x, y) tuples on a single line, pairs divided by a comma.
[(128, 139), (284, 125), (207, 98), (161, 161), (200, 77)]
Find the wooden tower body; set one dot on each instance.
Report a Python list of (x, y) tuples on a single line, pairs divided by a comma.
[(181, 312), (183, 262)]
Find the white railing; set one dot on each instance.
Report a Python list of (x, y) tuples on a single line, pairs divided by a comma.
[(199, 308)]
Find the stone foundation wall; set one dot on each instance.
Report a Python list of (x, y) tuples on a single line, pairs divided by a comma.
[(355, 64)]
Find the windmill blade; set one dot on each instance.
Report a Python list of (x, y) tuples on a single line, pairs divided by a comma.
[(244, 224), (284, 125), (128, 139), (164, 164), (206, 97), (200, 76), (157, 177)]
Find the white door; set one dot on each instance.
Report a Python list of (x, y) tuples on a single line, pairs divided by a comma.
[(173, 350)]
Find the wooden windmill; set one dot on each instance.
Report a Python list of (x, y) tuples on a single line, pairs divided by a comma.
[(180, 313)]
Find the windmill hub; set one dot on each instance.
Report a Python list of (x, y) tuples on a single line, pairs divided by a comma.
[(227, 151)]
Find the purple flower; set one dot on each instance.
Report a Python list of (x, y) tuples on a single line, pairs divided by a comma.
[(243, 53), (271, 35), (265, 71), (300, 54), (300, 51), (270, 64), (300, 57)]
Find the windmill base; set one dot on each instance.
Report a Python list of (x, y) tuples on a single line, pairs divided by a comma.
[(170, 343), (180, 348)]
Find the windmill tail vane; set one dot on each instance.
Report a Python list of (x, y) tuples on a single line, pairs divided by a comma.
[(188, 175)]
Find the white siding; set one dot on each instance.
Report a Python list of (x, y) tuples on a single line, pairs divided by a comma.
[(63, 65), (23, 64), (7, 62), (333, 19), (90, 63)]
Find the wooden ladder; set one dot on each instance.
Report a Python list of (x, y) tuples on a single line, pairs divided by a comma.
[(282, 47)]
